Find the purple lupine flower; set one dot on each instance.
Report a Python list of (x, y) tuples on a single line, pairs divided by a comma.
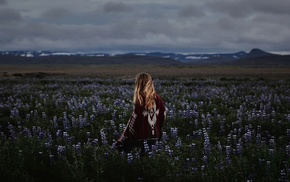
[(10, 126), (77, 149), (129, 158), (74, 122), (103, 137), (188, 138), (239, 150), (55, 124), (271, 152), (196, 123), (202, 170), (192, 147), (168, 151), (61, 151), (88, 134), (146, 146), (12, 133), (154, 149), (228, 150), (178, 143), (43, 115), (228, 159), (222, 129), (288, 150), (35, 113), (272, 142), (66, 126), (95, 142), (48, 144), (205, 160), (40, 135), (174, 132), (164, 136), (122, 127), (248, 136), (65, 136), (27, 133), (159, 145), (283, 175), (235, 139), (14, 113), (92, 117), (27, 116), (58, 134), (112, 122), (81, 121), (206, 144), (137, 154)]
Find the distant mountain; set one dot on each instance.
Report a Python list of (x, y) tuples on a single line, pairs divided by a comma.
[(255, 53), (259, 58), (255, 57), (49, 53), (54, 58), (200, 58)]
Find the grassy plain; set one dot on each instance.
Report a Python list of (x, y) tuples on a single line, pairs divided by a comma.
[(162, 72), (63, 129)]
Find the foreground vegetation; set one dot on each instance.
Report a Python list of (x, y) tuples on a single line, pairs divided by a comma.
[(63, 129)]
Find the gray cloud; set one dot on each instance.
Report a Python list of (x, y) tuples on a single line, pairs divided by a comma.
[(9, 15), (116, 7), (56, 13), (2, 2), (271, 7), (191, 11), (156, 25)]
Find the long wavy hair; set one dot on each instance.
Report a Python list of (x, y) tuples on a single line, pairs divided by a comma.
[(144, 92)]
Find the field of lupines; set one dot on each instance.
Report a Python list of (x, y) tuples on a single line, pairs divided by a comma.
[(218, 130)]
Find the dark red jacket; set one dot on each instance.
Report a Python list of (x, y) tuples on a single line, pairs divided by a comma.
[(144, 124)]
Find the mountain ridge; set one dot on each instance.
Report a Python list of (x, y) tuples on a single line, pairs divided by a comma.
[(253, 57)]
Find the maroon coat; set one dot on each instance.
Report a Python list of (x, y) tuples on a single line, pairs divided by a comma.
[(144, 124)]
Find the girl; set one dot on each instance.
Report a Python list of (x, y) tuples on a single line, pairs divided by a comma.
[(147, 119)]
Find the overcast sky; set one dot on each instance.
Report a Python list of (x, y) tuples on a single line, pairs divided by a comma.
[(145, 25)]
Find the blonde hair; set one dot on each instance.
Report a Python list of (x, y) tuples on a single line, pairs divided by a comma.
[(144, 92)]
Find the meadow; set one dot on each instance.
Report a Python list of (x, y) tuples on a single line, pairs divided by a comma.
[(222, 124)]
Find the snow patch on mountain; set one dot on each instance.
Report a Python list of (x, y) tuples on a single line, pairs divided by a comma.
[(197, 57)]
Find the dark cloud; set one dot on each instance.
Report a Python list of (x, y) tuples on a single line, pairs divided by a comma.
[(191, 11), (116, 7), (56, 13), (145, 25), (2, 2), (269, 6), (246, 8), (8, 15), (233, 9)]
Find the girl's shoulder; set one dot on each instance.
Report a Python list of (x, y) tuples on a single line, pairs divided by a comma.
[(157, 97), (158, 100)]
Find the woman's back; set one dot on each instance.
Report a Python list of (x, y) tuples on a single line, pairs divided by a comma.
[(147, 119)]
